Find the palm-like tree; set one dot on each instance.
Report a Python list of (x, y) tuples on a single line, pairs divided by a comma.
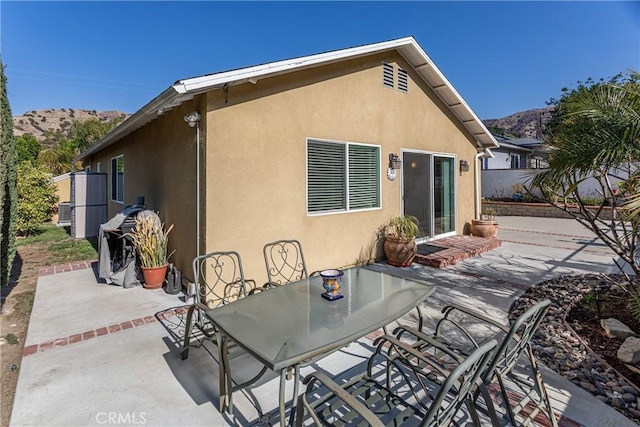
[(595, 134)]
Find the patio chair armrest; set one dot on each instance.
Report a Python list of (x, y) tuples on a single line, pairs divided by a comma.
[(492, 322), (321, 378), (269, 285), (408, 352)]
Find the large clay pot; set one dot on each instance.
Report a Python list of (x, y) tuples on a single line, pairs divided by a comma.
[(154, 276), (400, 253), (484, 228)]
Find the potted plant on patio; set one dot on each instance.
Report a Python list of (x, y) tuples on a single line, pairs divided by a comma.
[(486, 225), (400, 240), (150, 240)]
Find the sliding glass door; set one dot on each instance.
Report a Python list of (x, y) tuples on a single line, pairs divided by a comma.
[(428, 184)]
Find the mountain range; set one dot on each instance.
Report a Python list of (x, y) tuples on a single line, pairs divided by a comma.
[(42, 123)]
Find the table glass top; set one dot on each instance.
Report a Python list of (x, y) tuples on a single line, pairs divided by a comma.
[(291, 323)]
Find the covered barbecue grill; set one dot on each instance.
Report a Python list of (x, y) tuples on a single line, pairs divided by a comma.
[(117, 259)]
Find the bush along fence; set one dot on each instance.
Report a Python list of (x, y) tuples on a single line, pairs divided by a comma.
[(537, 209)]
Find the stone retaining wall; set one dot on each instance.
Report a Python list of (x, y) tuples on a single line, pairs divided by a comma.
[(535, 209)]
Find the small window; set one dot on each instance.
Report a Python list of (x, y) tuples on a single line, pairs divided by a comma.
[(403, 80), (515, 161), (387, 74), (117, 179), (342, 177)]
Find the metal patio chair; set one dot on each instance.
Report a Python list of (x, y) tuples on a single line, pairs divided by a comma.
[(284, 261), (406, 388), (524, 394), (219, 280)]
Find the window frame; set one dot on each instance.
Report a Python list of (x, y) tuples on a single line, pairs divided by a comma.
[(347, 208), (114, 180)]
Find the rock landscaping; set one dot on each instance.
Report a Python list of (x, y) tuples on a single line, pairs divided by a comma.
[(561, 345)]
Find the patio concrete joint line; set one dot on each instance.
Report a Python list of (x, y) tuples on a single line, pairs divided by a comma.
[(101, 331)]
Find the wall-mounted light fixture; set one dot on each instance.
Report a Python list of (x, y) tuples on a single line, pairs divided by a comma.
[(464, 166), (394, 161), (192, 118)]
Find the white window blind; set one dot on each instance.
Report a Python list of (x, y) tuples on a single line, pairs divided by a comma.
[(342, 176)]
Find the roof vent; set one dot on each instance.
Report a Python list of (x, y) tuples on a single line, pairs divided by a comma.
[(403, 80), (387, 74)]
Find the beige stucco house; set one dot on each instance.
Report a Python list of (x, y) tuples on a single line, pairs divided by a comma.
[(63, 191), (300, 149)]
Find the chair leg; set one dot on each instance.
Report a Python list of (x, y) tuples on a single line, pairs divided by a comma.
[(491, 409), (187, 333), (542, 390)]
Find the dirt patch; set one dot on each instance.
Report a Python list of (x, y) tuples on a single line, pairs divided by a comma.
[(17, 301), (584, 318)]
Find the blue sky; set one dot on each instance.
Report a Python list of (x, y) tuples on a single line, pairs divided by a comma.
[(502, 57)]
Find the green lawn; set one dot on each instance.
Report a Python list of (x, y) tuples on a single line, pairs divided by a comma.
[(59, 244)]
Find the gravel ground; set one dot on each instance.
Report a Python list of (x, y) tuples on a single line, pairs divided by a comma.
[(557, 346)]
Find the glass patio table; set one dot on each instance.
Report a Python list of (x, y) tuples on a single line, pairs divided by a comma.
[(290, 326)]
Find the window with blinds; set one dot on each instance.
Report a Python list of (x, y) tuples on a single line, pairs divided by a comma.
[(342, 177)]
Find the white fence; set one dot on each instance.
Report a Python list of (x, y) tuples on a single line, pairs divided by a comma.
[(496, 183)]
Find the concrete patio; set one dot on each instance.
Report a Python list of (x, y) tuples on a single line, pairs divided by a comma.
[(98, 354)]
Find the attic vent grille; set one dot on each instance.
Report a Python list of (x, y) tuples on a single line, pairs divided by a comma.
[(403, 80), (387, 75)]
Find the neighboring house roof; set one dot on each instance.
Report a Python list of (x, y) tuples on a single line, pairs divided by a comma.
[(184, 90), (61, 177), (513, 147), (523, 144)]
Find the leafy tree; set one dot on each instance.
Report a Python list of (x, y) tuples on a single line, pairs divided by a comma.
[(36, 197), (8, 190), (28, 148), (595, 132), (85, 134), (58, 160)]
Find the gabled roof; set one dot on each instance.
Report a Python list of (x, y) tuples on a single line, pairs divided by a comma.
[(184, 90)]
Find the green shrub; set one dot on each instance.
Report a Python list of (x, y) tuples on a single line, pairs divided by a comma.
[(36, 198), (592, 201)]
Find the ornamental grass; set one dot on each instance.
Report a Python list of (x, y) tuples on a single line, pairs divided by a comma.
[(151, 240)]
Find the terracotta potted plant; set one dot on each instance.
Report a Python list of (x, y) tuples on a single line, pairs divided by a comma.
[(400, 240), (150, 240), (486, 225)]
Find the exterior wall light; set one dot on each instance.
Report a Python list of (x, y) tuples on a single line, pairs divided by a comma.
[(192, 118), (464, 166), (394, 161)]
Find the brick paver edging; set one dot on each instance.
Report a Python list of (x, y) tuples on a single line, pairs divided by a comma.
[(63, 268), (98, 332)]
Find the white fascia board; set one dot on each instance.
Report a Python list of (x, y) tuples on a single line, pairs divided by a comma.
[(212, 81), (139, 118), (441, 84)]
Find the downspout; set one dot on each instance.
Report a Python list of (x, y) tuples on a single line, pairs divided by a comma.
[(193, 120), (484, 153), (198, 189)]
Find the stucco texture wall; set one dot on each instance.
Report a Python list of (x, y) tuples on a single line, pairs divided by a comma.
[(256, 158), (159, 164), (63, 191)]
